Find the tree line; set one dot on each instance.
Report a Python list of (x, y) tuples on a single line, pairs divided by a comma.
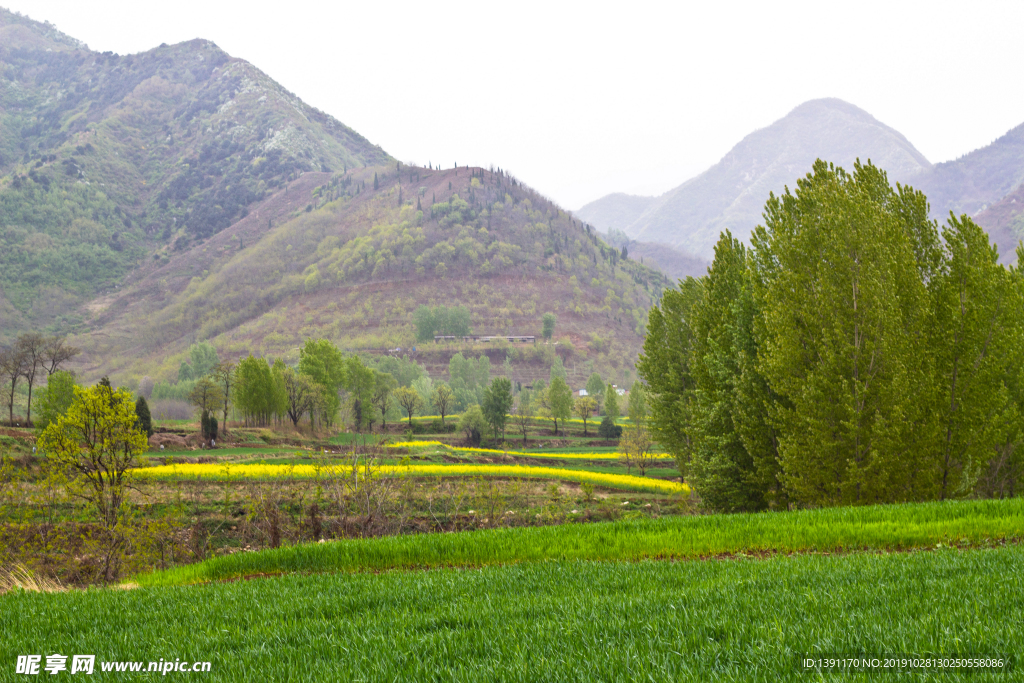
[(31, 357), (855, 353)]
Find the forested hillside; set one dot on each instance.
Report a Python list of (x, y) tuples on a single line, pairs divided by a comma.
[(333, 256), (105, 159)]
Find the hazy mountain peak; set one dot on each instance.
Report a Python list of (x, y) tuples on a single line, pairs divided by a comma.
[(731, 194)]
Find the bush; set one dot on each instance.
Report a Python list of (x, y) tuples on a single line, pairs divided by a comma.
[(608, 429), (436, 427)]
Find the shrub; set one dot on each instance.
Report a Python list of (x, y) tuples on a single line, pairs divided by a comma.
[(608, 429)]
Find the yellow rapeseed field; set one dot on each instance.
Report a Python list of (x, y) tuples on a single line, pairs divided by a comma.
[(232, 472), (529, 454)]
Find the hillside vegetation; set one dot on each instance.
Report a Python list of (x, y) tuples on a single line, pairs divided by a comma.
[(331, 256), (105, 159)]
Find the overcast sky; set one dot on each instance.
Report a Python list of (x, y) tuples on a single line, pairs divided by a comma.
[(582, 99)]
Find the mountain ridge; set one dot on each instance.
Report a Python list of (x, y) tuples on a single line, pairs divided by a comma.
[(731, 194), (180, 195)]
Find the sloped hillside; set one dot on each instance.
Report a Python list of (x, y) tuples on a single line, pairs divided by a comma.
[(1004, 222), (615, 211), (332, 256), (105, 159), (731, 194), (976, 180)]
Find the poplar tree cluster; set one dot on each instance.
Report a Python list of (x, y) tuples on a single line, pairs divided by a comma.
[(855, 353)]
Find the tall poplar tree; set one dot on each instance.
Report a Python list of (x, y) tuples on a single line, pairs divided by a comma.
[(842, 312)]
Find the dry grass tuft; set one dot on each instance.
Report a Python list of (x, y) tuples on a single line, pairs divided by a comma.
[(21, 577)]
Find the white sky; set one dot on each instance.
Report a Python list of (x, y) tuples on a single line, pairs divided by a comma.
[(582, 99)]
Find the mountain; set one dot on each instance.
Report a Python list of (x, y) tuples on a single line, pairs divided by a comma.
[(987, 184), (615, 211), (350, 256), (731, 194), (152, 201), (1004, 222), (107, 160)]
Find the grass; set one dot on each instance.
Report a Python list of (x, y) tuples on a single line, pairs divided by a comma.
[(228, 471), (890, 527), (555, 621)]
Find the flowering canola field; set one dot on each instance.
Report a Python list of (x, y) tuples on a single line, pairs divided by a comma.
[(529, 454), (221, 472)]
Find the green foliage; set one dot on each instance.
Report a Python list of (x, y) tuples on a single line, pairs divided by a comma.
[(548, 325), (360, 384), (145, 423), (558, 370), (851, 356), (405, 371), (496, 404), (608, 429), (583, 408), (559, 400), (203, 357), (468, 379), (441, 320), (54, 399), (98, 440), (611, 403), (206, 395), (257, 395), (323, 363), (127, 160), (595, 388), (473, 423), (384, 386)]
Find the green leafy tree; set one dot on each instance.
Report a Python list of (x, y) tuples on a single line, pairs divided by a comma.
[(975, 335), (254, 390), (522, 414), (324, 364), (98, 439), (729, 457), (497, 403), (559, 400), (55, 398), (595, 388), (185, 372), (548, 325), (608, 429), (558, 370), (473, 423), (145, 424), (360, 383), (203, 357), (843, 318), (424, 386), (611, 403)]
